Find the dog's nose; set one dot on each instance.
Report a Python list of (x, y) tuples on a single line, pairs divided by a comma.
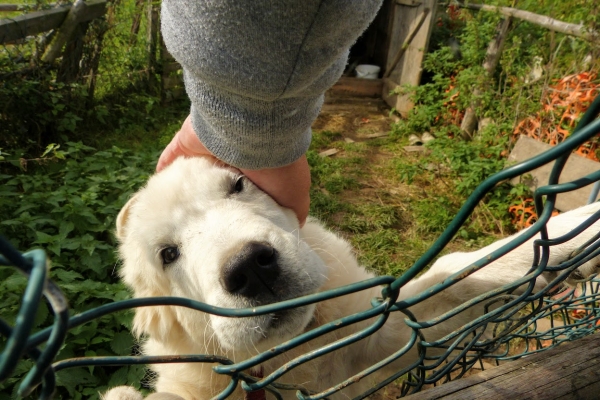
[(251, 271)]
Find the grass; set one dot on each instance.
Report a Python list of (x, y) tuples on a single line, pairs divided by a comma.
[(392, 204), (363, 193)]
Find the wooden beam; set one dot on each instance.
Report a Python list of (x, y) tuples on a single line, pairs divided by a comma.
[(568, 372), (45, 20), (406, 43), (65, 32), (11, 7), (357, 87), (405, 51), (578, 30), (22, 7)]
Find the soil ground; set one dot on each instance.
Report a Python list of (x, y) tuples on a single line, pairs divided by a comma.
[(379, 208), (367, 121)]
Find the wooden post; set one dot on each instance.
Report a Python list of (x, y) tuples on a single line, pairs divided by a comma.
[(171, 79), (41, 21), (65, 31), (494, 51), (410, 28), (406, 43), (137, 19), (93, 60), (152, 43), (70, 65)]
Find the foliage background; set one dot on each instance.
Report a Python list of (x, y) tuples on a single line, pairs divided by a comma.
[(69, 161)]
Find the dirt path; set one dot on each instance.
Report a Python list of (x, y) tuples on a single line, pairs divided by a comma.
[(366, 123)]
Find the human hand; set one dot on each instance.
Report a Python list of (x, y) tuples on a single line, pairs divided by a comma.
[(288, 185)]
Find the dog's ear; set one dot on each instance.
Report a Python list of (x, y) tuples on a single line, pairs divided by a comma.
[(124, 216)]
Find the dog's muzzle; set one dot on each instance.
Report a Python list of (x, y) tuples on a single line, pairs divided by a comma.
[(252, 271)]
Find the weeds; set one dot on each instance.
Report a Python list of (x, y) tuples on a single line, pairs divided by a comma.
[(69, 209), (390, 204)]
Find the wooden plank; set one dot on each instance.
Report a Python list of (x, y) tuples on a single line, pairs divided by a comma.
[(411, 3), (65, 32), (11, 7), (570, 371), (42, 21), (408, 71), (411, 35), (575, 168), (358, 87)]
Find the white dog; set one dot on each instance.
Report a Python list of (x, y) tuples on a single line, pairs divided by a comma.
[(204, 232)]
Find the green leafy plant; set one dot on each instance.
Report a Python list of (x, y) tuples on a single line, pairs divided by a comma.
[(68, 207)]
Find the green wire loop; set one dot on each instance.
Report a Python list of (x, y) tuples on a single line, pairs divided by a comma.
[(510, 317)]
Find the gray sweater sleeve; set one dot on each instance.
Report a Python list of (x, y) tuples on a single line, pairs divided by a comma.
[(256, 70)]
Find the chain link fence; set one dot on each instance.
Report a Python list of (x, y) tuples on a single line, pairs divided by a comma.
[(522, 324)]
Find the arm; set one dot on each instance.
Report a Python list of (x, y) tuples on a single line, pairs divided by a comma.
[(256, 72)]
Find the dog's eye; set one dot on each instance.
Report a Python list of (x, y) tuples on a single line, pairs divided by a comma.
[(238, 186), (169, 254)]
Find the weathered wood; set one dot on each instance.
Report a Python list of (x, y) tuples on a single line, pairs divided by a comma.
[(492, 57), (91, 63), (357, 87), (152, 41), (570, 371), (408, 70), (411, 3), (407, 43), (328, 153), (22, 7), (70, 64), (578, 30), (340, 103), (11, 7), (575, 168), (65, 31), (42, 21)]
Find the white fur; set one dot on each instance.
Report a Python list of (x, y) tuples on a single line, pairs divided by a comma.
[(189, 205)]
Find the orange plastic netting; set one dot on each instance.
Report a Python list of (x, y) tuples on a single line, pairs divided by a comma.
[(566, 102)]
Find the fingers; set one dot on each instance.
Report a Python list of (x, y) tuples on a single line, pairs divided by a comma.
[(289, 185), (184, 143)]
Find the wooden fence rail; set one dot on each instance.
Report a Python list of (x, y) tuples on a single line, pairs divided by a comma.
[(37, 22)]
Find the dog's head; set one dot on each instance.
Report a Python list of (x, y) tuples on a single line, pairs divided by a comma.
[(205, 232)]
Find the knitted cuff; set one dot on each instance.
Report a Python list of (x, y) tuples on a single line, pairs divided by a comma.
[(250, 133)]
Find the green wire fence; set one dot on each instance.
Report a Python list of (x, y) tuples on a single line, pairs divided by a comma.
[(514, 319)]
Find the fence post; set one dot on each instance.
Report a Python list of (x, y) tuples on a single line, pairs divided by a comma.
[(137, 19), (65, 32), (492, 57), (152, 43)]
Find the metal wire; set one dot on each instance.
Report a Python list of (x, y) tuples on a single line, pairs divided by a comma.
[(513, 325)]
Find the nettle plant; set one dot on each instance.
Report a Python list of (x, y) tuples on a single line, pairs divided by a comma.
[(68, 208)]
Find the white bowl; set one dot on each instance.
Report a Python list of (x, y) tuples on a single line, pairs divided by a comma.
[(367, 71)]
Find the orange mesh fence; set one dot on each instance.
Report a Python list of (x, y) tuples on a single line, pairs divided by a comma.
[(566, 102)]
